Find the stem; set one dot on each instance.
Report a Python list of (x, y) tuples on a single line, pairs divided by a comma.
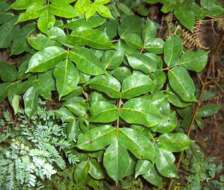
[(142, 50)]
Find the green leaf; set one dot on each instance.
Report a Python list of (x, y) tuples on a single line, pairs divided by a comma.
[(82, 6), (65, 115), (165, 163), (139, 111), (18, 87), (166, 118), (132, 39), (46, 21), (167, 122), (96, 138), (136, 84), (185, 14), (102, 2), (172, 50), (30, 101), (67, 77), (175, 100), (174, 142), (145, 111), (113, 58), (151, 43), (195, 60), (20, 4), (86, 61), (46, 59), (104, 11), (81, 24), (130, 24), (19, 44), (33, 11), (121, 73), (149, 31), (103, 112), (116, 160), (62, 9), (72, 130), (6, 17), (106, 84), (159, 77), (95, 170), (155, 59), (138, 143), (7, 33), (91, 11), (4, 6), (96, 96), (142, 62), (209, 110), (213, 7), (40, 42), (77, 106), (111, 28), (182, 84), (93, 38), (124, 8), (8, 72), (81, 172), (45, 84), (22, 69), (154, 45), (3, 91), (142, 10), (56, 33), (15, 103), (148, 172)]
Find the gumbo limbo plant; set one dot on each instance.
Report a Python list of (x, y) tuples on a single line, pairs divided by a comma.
[(117, 86)]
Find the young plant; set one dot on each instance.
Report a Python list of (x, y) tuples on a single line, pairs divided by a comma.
[(117, 83)]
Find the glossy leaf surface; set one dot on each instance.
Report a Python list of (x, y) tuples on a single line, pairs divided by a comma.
[(181, 82), (46, 59)]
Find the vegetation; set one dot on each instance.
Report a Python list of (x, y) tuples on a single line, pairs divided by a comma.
[(96, 95)]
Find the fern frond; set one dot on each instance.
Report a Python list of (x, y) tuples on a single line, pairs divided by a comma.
[(192, 40)]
